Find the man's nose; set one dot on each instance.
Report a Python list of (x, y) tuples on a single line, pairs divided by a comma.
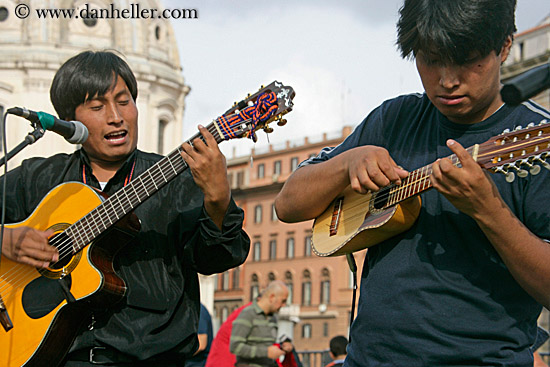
[(114, 115), (449, 77)]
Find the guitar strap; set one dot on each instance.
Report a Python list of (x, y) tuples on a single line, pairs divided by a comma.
[(126, 180), (353, 268)]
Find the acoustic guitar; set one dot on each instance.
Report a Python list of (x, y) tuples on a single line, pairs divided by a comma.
[(41, 310), (353, 221)]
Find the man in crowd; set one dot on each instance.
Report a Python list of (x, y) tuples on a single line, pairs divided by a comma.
[(337, 350), (254, 331)]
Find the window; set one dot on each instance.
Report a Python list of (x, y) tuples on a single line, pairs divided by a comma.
[(306, 288), (225, 314), (325, 286), (273, 213), (307, 249), (236, 278), (225, 280), (293, 164), (325, 329), (325, 291), (4, 13), (216, 282), (290, 298), (258, 214), (254, 287), (240, 179), (271, 277), (163, 124), (290, 248), (230, 179), (257, 251), (290, 286), (306, 293), (277, 168), (272, 249), (306, 331), (261, 170)]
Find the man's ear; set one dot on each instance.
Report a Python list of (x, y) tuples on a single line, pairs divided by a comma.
[(505, 51)]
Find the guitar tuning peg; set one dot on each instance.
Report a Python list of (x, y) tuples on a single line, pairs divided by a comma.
[(248, 95), (522, 173), (518, 128), (540, 159), (261, 86), (510, 177), (542, 122), (281, 122), (505, 131), (534, 170), (531, 124), (268, 130)]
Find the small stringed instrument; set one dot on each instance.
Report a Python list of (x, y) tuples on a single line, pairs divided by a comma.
[(41, 310), (353, 221)]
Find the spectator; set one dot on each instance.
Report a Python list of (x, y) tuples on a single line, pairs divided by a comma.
[(219, 355), (337, 351), (255, 329)]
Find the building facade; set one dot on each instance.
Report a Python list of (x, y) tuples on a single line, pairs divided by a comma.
[(531, 48), (320, 288)]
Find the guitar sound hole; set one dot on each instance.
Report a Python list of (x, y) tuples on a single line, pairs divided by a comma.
[(381, 197), (65, 247)]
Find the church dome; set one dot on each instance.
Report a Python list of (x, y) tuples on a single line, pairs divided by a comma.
[(37, 37)]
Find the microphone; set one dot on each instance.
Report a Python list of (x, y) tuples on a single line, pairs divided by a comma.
[(73, 131), (526, 85)]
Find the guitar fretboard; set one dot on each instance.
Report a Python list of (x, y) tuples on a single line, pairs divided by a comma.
[(131, 196), (416, 182)]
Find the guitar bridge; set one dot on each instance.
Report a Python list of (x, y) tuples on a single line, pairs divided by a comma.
[(335, 221), (4, 316)]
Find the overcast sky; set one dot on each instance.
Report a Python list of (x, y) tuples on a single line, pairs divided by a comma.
[(339, 56)]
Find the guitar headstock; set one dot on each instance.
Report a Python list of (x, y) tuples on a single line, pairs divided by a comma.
[(256, 112), (522, 151)]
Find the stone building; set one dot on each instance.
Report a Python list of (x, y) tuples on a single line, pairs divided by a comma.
[(531, 48), (32, 49)]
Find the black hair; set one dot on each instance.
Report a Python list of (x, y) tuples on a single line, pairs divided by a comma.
[(85, 76), (338, 345), (455, 30)]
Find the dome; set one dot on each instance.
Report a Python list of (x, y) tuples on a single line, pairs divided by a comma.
[(36, 39)]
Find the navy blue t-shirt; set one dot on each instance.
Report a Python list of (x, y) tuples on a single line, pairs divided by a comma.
[(439, 294), (205, 327)]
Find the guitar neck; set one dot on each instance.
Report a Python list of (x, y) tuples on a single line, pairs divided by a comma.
[(415, 183), (132, 195)]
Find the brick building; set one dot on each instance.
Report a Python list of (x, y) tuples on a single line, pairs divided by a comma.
[(320, 288)]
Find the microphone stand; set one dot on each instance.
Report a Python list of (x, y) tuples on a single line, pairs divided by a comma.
[(33, 136)]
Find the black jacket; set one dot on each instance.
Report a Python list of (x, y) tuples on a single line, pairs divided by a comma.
[(177, 240)]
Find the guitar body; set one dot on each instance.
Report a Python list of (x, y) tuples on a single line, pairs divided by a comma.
[(350, 223), (45, 316)]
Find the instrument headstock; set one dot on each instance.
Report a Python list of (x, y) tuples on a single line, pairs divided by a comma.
[(257, 111), (522, 151)]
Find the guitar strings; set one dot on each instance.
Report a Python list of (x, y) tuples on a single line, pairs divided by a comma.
[(66, 246)]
